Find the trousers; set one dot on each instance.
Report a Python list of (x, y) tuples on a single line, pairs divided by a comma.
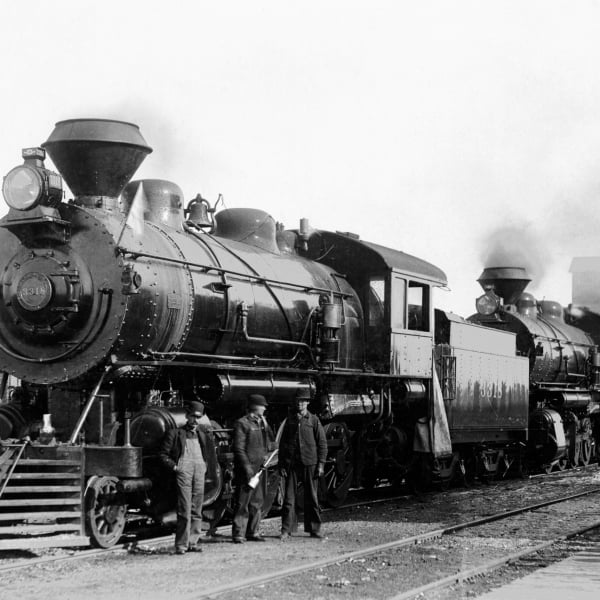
[(304, 474), (247, 510), (190, 496)]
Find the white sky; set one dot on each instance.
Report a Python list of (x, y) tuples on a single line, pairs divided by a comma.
[(423, 126)]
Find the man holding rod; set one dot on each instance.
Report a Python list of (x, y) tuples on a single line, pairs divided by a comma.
[(253, 440)]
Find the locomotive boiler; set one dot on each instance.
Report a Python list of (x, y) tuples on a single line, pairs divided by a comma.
[(563, 366), (122, 304)]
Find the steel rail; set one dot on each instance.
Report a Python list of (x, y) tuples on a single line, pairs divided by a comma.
[(462, 576), (158, 541), (409, 541)]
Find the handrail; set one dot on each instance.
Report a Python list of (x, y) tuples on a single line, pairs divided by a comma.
[(14, 465), (134, 254)]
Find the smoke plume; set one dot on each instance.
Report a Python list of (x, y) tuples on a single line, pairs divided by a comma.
[(516, 246)]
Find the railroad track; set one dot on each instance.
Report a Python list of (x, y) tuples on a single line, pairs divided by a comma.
[(158, 541), (164, 540), (463, 575)]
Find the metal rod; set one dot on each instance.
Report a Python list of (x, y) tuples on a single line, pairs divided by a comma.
[(3, 382), (251, 359), (243, 314), (101, 420), (254, 368), (88, 406), (13, 466), (127, 440), (308, 288)]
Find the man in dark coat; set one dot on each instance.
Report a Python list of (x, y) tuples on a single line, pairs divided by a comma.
[(252, 441), (302, 456), (185, 451)]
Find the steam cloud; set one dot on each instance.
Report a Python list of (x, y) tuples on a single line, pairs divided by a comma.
[(516, 246)]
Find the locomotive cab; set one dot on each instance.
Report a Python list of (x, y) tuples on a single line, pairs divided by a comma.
[(396, 293)]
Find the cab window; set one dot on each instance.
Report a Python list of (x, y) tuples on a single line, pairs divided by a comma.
[(398, 303), (376, 301), (418, 306)]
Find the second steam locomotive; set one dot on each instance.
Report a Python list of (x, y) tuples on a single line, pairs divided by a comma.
[(119, 306)]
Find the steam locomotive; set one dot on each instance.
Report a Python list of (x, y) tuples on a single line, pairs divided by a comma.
[(119, 306)]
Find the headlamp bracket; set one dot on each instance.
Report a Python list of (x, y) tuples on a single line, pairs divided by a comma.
[(41, 222)]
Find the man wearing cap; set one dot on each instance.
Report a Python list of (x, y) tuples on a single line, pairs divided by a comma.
[(302, 455), (184, 451), (252, 440)]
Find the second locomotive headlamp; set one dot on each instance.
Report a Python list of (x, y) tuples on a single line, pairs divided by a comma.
[(31, 184), (487, 304)]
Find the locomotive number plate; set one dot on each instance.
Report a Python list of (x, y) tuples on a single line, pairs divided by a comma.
[(34, 291)]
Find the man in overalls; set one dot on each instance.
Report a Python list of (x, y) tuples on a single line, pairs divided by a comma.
[(184, 451)]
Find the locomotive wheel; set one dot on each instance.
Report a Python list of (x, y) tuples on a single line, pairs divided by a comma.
[(339, 467), (104, 512)]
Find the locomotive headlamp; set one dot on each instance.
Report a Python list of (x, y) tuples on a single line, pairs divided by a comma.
[(487, 304), (31, 184)]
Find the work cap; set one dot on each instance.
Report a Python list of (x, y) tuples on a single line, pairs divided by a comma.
[(303, 394), (196, 407), (257, 400)]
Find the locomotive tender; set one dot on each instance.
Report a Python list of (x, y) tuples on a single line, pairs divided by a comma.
[(120, 305)]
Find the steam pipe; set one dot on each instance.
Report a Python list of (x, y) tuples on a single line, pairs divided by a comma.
[(385, 398), (88, 406), (267, 285), (228, 357), (243, 312), (3, 382), (127, 433)]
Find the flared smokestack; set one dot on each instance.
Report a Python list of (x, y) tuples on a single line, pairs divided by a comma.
[(507, 282), (96, 157)]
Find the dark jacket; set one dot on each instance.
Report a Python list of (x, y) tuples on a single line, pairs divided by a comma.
[(252, 441), (311, 439), (173, 445)]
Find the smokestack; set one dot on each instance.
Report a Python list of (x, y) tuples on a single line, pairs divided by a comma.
[(96, 157), (507, 282)]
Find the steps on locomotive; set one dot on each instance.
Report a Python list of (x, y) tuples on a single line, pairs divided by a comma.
[(42, 502)]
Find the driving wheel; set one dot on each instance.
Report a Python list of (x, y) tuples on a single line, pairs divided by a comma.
[(104, 512)]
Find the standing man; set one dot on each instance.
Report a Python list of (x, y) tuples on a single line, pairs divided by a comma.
[(184, 451), (302, 455), (252, 441)]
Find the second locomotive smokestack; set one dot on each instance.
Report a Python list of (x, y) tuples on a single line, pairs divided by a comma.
[(507, 282), (96, 157)]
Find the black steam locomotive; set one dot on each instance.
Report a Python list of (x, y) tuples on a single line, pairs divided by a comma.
[(120, 305)]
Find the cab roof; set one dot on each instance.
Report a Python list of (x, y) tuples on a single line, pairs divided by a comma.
[(348, 254)]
